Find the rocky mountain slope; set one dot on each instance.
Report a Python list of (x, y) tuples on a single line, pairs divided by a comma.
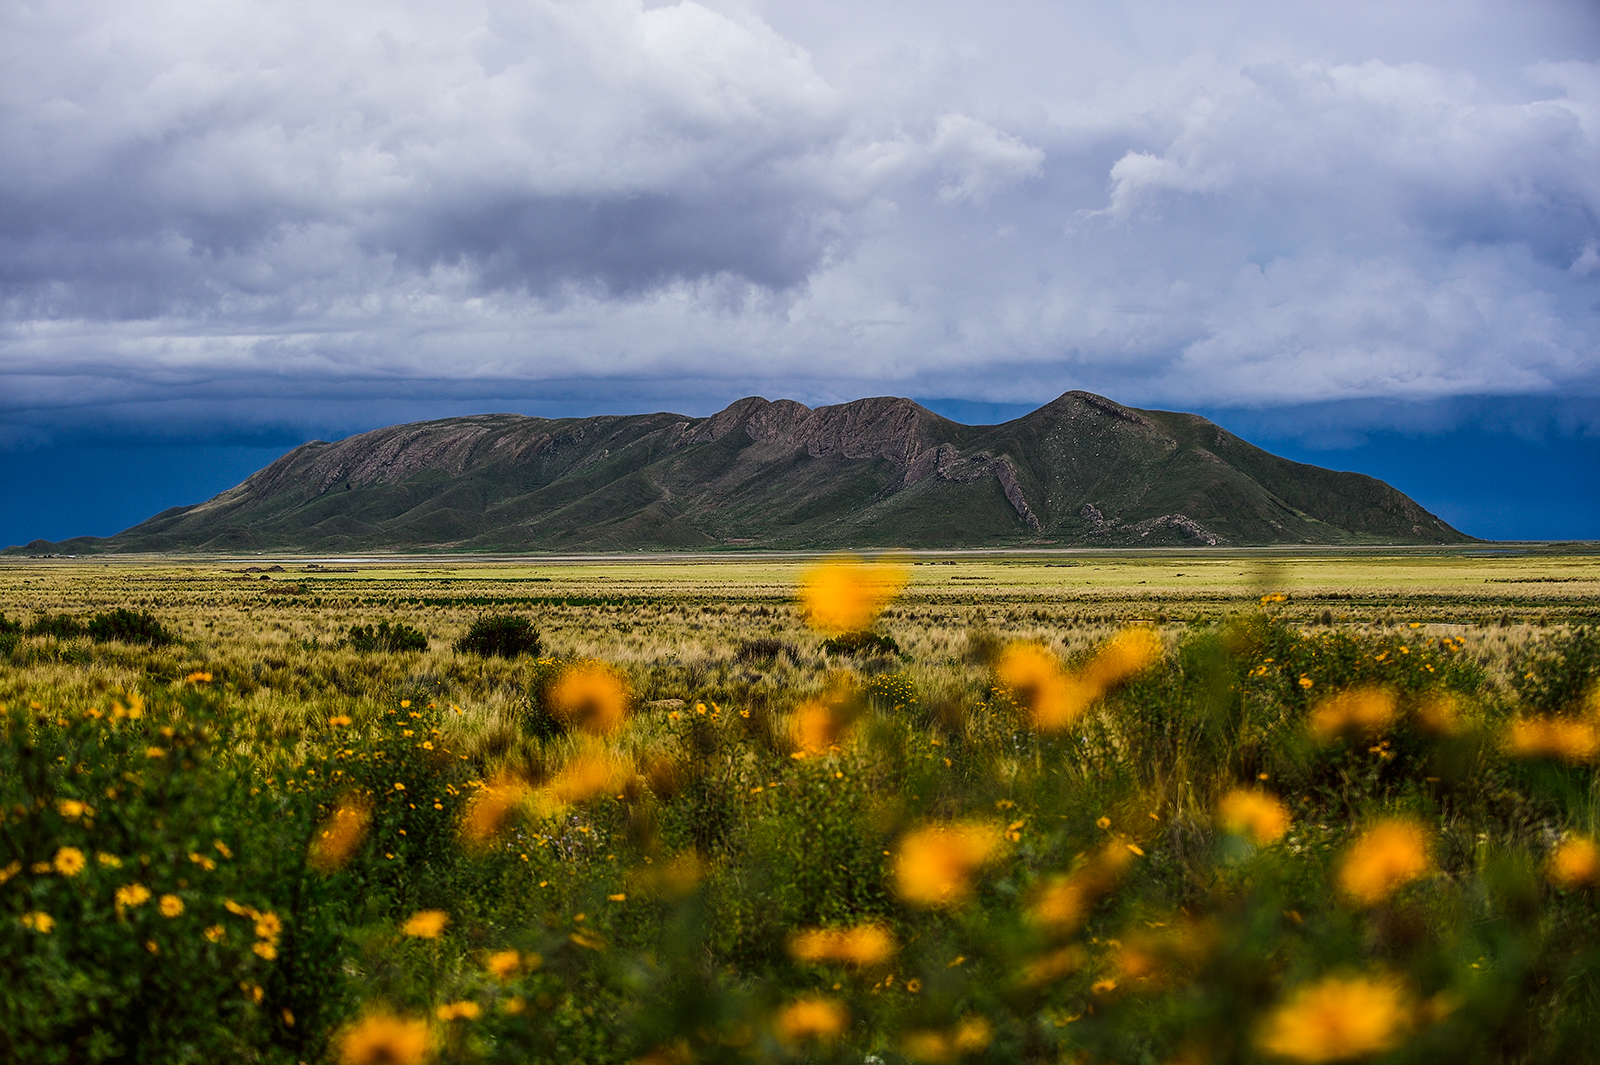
[(1081, 470)]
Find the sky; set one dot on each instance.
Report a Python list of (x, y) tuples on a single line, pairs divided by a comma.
[(1361, 234)]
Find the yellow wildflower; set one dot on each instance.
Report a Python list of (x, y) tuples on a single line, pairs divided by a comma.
[(426, 924), (1260, 817), (862, 945), (591, 697), (1564, 739), (215, 933), (268, 926), (171, 906), (265, 949), (463, 1011), (11, 870), (1063, 903), (1384, 859), (39, 921), (383, 1039), (587, 774), (504, 964), (69, 861), (969, 1036), (847, 595), (72, 809), (1359, 710), (1053, 697), (489, 808), (817, 726), (1338, 1018), (812, 1018), (1575, 864), (130, 895), (1125, 654), (339, 836), (936, 864)]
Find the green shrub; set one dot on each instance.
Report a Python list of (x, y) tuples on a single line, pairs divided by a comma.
[(861, 643), (10, 633), (59, 626), (505, 635), (126, 626), (386, 637)]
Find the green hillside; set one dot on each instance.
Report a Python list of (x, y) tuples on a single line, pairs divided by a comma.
[(1081, 470)]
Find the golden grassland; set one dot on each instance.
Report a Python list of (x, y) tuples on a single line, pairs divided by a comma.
[(1196, 807), (675, 625)]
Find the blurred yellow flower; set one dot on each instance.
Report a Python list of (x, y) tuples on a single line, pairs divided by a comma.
[(591, 697), (1439, 714), (1053, 697), (384, 1039), (1564, 739), (504, 964), (817, 726), (130, 895), (1260, 817), (1575, 864), (486, 813), (936, 864), (171, 906), (1384, 859), (672, 879), (39, 921), (268, 926), (426, 924), (1359, 710), (265, 950), (198, 678), (337, 838), (216, 933), (108, 861), (1062, 903), (862, 945), (1338, 1018), (1125, 654), (847, 595), (69, 861), (458, 1011), (934, 1047), (72, 809), (812, 1018), (587, 774)]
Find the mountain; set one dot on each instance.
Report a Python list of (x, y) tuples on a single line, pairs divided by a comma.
[(1082, 470)]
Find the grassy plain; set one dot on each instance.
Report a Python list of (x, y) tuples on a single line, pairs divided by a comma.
[(1481, 956)]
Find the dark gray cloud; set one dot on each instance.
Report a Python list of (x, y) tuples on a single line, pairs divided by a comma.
[(289, 213)]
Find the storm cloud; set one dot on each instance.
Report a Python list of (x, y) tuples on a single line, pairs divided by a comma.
[(232, 213)]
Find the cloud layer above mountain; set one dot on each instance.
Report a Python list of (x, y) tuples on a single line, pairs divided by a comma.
[(236, 208)]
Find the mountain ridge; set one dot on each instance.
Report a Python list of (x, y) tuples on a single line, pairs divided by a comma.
[(883, 471)]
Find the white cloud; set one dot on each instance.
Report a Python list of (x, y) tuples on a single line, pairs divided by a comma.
[(248, 198)]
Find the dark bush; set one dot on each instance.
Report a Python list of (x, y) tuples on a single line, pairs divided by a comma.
[(762, 650), (386, 637), (126, 626), (861, 643), (10, 633), (500, 634), (58, 625)]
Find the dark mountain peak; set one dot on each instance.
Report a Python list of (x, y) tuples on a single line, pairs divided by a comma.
[(882, 471)]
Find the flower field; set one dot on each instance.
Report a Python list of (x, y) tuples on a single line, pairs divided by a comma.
[(827, 810)]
